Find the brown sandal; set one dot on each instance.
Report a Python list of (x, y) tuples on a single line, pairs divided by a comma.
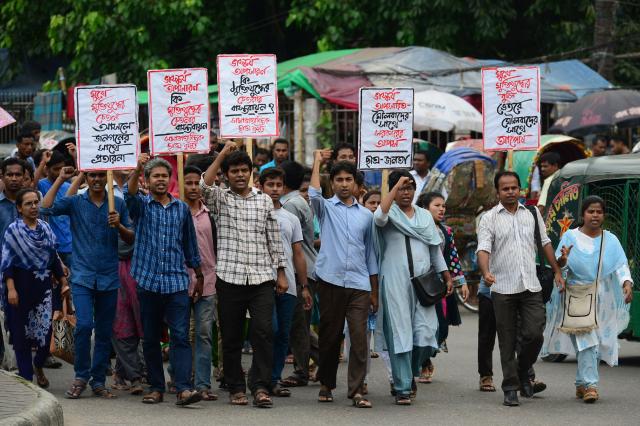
[(103, 392), (41, 379), (154, 397), (360, 402), (191, 398), (207, 395), (77, 387), (238, 398), (590, 395), (486, 384), (427, 374)]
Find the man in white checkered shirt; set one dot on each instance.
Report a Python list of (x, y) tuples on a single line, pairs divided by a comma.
[(249, 249)]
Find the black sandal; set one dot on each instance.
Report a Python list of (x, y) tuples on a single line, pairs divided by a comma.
[(294, 381), (261, 399), (154, 397), (403, 400), (325, 396), (281, 392), (238, 398), (192, 398)]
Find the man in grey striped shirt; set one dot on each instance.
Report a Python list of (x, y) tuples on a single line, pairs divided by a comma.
[(507, 260)]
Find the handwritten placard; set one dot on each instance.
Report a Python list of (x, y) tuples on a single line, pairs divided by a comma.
[(178, 110), (386, 128), (107, 127), (511, 108), (248, 96), (5, 118)]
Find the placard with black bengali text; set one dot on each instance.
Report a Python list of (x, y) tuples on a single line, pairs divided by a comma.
[(248, 96), (178, 110), (386, 128), (511, 108), (107, 127)]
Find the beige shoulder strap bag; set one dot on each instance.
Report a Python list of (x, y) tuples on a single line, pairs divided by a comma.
[(581, 304)]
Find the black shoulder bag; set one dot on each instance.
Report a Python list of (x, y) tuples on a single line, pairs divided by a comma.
[(545, 275), (429, 288)]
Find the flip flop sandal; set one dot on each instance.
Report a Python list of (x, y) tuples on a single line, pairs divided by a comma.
[(207, 395), (414, 389), (102, 392), (374, 354), (486, 384), (191, 399), (325, 396), (76, 389), (239, 398), (262, 400), (153, 398), (360, 402), (293, 381), (403, 400), (136, 388)]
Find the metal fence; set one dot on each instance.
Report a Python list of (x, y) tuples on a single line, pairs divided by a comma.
[(20, 105)]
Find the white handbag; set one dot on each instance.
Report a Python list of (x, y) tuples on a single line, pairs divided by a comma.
[(581, 304)]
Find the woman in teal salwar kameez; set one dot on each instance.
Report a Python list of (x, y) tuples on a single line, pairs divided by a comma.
[(410, 329)]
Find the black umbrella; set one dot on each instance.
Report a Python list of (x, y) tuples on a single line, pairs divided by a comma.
[(598, 112)]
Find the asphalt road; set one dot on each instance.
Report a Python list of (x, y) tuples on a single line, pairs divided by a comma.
[(453, 398)]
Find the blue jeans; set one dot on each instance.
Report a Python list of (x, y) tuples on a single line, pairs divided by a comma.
[(174, 309), (204, 315), (283, 310), (588, 360), (95, 311)]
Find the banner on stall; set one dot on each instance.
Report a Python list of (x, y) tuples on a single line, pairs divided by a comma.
[(107, 127), (511, 108), (178, 110), (386, 128), (5, 118), (247, 96)]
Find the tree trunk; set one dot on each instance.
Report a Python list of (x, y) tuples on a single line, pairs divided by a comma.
[(603, 57)]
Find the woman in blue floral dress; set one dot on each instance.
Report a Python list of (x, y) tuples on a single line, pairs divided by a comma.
[(28, 261)]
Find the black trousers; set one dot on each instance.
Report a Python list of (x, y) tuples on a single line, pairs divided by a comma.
[(530, 308), (304, 343), (233, 302), (486, 336)]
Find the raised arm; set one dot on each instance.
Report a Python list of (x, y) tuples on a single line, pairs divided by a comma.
[(39, 172), (211, 173), (75, 185), (50, 197), (134, 178)]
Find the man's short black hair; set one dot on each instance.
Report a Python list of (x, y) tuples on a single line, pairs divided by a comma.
[(271, 173), (37, 156), (553, 158), (500, 175), (236, 158), (261, 151), (423, 152), (56, 158), (12, 161), (306, 177), (277, 141), (603, 138), (23, 135), (395, 176), (293, 174), (200, 161), (340, 147), (343, 166), (618, 138), (192, 169), (30, 126)]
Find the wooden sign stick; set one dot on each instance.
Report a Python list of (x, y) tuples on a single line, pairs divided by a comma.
[(180, 157), (248, 143), (110, 196)]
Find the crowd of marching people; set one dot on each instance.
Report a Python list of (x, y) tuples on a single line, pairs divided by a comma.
[(292, 264)]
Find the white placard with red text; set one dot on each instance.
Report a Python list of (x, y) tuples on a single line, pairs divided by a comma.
[(107, 127), (511, 108), (386, 128), (178, 110), (248, 96)]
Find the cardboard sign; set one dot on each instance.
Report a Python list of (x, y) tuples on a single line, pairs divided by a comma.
[(386, 128), (178, 110), (5, 118), (511, 108), (248, 96), (107, 127)]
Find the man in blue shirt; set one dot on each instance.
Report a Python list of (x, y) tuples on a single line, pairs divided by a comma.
[(165, 242), (94, 272), (279, 152), (347, 272), (60, 225), (13, 171)]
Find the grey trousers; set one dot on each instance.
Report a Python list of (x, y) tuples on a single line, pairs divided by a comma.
[(129, 362), (303, 342)]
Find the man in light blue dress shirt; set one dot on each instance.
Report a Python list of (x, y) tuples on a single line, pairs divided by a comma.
[(347, 273)]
